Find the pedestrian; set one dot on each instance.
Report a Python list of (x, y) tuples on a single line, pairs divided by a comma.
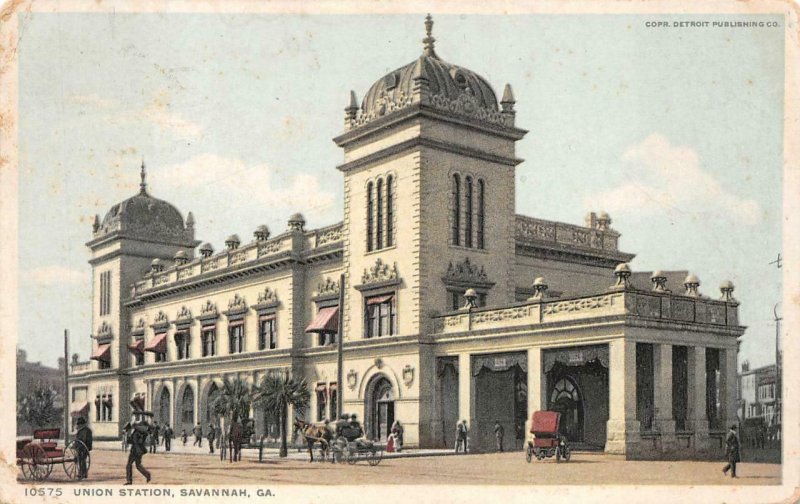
[(499, 432), (168, 433), (397, 431), (731, 452), (184, 436), (212, 435), (139, 434), (153, 437), (461, 436), (198, 435), (84, 435)]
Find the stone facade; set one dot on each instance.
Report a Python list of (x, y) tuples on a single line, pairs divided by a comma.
[(455, 307)]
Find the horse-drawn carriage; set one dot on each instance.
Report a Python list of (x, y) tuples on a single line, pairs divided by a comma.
[(354, 449), (547, 441), (349, 446), (36, 456)]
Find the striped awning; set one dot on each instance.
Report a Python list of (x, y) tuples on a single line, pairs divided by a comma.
[(78, 409), (137, 347), (326, 321), (157, 344), (102, 353)]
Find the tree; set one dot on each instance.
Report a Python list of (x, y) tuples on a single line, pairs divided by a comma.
[(38, 408), (276, 393), (233, 401)]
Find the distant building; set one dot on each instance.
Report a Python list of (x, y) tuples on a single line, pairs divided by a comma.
[(31, 375), (758, 393)]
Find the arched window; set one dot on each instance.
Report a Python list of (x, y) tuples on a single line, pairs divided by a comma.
[(379, 217), (187, 407), (481, 195), (468, 212), (370, 209), (389, 210), (456, 229)]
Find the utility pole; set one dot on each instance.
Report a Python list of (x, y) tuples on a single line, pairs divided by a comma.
[(66, 387), (778, 380), (340, 352)]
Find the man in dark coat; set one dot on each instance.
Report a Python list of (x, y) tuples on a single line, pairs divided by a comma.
[(139, 433), (212, 435), (84, 435), (168, 433), (499, 432), (198, 435), (731, 452)]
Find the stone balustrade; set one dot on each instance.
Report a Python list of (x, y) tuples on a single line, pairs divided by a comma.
[(536, 231), (648, 305), (236, 257), (80, 367)]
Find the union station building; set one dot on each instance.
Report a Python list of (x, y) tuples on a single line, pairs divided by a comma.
[(455, 307)]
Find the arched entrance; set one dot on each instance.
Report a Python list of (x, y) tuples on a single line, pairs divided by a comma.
[(186, 418), (164, 406), (566, 399), (211, 396), (380, 409)]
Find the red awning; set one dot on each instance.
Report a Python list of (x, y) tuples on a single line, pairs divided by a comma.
[(137, 347), (158, 344), (78, 409), (321, 387), (379, 299), (334, 386), (327, 321), (103, 353), (270, 316)]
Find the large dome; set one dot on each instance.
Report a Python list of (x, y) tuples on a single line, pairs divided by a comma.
[(432, 82), (145, 216)]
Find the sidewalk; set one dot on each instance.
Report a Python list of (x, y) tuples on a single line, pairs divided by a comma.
[(252, 453)]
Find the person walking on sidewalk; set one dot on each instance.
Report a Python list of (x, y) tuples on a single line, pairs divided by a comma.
[(461, 436), (731, 452), (499, 432), (198, 435), (212, 436), (168, 434), (139, 433), (84, 435), (184, 436)]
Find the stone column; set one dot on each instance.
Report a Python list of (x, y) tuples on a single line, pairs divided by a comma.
[(465, 389), (536, 384), (197, 392), (622, 436), (727, 385), (697, 420), (175, 402), (662, 371)]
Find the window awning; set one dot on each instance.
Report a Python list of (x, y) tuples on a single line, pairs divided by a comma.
[(379, 299), (78, 409), (157, 344), (334, 386), (103, 353), (321, 387), (326, 321), (268, 316), (137, 347)]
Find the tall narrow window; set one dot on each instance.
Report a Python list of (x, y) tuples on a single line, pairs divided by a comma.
[(380, 316), (468, 212), (105, 293), (267, 336), (389, 210), (481, 195), (236, 338), (209, 337), (379, 216), (370, 209), (456, 229)]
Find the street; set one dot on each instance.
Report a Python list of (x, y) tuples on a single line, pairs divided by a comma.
[(510, 468)]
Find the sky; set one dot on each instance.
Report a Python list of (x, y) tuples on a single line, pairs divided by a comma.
[(677, 133)]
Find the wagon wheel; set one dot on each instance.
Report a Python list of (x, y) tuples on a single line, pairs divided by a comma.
[(375, 457), (566, 453), (529, 453), (323, 452), (539, 454), (352, 456), (71, 452), (39, 466)]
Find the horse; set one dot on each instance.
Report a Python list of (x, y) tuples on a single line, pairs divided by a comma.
[(235, 436), (313, 434)]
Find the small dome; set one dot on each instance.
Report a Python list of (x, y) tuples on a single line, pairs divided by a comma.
[(691, 279), (298, 217), (262, 229), (233, 238), (206, 247), (539, 281), (622, 268), (155, 262), (603, 215), (658, 274), (470, 293), (181, 255), (726, 285)]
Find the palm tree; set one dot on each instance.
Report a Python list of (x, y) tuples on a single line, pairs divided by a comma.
[(276, 393), (38, 408), (233, 401)]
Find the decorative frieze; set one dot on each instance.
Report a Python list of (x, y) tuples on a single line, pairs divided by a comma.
[(528, 229), (267, 296), (327, 287), (269, 248), (468, 105), (577, 305), (504, 315), (209, 311), (465, 273), (329, 236), (237, 304), (380, 272), (239, 256), (104, 332)]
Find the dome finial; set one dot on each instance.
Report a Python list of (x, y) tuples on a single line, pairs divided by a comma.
[(428, 40), (143, 183)]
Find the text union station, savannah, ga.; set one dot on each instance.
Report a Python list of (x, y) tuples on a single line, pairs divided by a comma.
[(455, 307)]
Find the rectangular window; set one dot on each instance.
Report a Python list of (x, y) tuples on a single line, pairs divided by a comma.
[(104, 364), (236, 338), (139, 356), (267, 334), (98, 408), (389, 211), (161, 356), (334, 401), (380, 316), (182, 345), (322, 402), (209, 341), (108, 407), (105, 293)]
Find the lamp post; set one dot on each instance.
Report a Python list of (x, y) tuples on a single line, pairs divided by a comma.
[(778, 381)]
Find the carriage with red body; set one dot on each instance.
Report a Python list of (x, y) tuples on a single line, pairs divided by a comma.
[(547, 441), (36, 456)]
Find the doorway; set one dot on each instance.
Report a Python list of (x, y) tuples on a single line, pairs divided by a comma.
[(381, 414)]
